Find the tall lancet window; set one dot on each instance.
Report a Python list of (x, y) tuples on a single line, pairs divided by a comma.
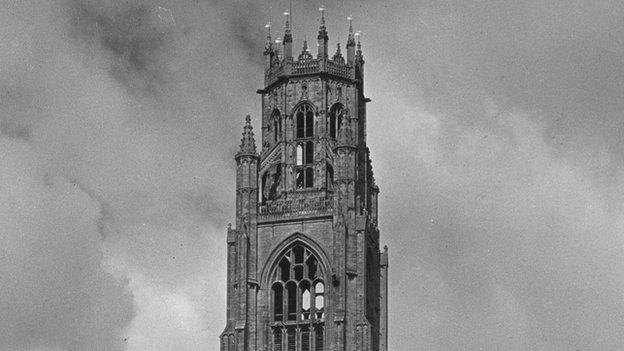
[(304, 147), (335, 119), (298, 301)]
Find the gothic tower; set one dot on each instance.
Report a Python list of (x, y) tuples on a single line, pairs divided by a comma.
[(304, 268)]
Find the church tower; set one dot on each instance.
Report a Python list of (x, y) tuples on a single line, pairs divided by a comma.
[(304, 268)]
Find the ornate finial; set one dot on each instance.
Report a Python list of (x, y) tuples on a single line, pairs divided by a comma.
[(351, 38), (305, 53), (338, 55), (248, 143)]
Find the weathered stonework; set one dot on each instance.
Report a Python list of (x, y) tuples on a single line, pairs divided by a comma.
[(304, 268)]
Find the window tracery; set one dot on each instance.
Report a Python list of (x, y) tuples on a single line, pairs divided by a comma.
[(298, 301), (304, 150)]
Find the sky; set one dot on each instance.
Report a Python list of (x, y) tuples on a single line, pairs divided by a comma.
[(495, 130)]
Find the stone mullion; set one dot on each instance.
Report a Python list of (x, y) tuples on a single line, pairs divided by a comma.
[(285, 296), (284, 339), (299, 302), (313, 302)]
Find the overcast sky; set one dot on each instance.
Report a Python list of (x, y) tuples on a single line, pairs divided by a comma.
[(496, 132)]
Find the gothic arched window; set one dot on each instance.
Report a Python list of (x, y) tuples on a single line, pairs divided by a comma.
[(335, 119), (298, 301), (305, 121), (304, 150)]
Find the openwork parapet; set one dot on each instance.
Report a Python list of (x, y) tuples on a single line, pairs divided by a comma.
[(291, 209), (305, 67)]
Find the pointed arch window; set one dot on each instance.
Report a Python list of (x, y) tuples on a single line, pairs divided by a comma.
[(304, 150), (298, 301), (305, 121), (335, 119)]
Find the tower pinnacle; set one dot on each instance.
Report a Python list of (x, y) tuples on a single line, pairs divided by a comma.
[(248, 143), (322, 27), (351, 38), (287, 29), (350, 43), (287, 37), (359, 55), (322, 36), (268, 45)]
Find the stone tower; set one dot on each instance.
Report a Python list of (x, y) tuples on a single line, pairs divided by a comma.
[(304, 268)]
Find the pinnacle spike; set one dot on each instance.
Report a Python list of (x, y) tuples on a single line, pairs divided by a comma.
[(351, 38), (248, 143)]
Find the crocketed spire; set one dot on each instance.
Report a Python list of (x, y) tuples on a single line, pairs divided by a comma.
[(248, 143)]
